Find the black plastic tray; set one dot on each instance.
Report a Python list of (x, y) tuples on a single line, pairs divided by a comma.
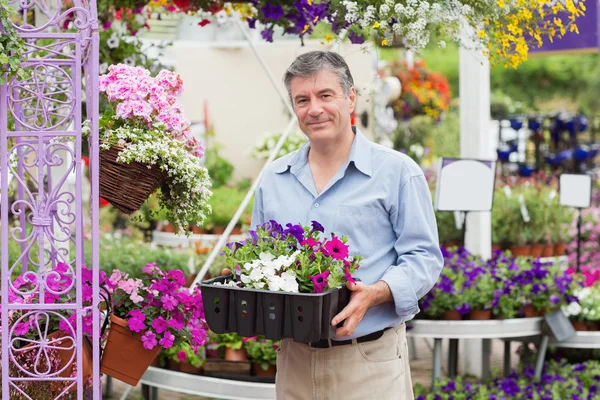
[(304, 317)]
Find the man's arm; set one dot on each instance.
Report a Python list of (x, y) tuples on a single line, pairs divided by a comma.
[(420, 259)]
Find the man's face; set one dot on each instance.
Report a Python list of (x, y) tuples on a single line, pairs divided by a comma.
[(322, 109)]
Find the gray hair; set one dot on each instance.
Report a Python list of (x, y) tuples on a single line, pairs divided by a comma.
[(308, 64)]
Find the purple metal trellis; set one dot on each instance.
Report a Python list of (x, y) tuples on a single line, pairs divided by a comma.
[(40, 149)]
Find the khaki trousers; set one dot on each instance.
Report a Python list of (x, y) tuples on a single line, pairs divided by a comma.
[(376, 370)]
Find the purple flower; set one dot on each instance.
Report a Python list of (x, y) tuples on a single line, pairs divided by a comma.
[(254, 237), (356, 38), (273, 11), (449, 387), (317, 227), (177, 276), (579, 368), (554, 300), (267, 34), (464, 309), (251, 23), (294, 230), (149, 340), (319, 281), (178, 325)]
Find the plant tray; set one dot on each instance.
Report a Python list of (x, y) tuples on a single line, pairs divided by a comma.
[(303, 317)]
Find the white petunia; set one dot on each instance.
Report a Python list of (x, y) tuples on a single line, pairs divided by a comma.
[(572, 309), (256, 274), (276, 283), (266, 256), (113, 42), (246, 279)]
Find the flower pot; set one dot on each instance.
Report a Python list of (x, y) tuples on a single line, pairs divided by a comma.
[(537, 250), (190, 279), (548, 250), (236, 230), (127, 186), (530, 312), (304, 317), (560, 249), (236, 355), (125, 357), (189, 369), (169, 228), (452, 315), (520, 251), (480, 315), (579, 325), (593, 326), (257, 370), (218, 230), (172, 365)]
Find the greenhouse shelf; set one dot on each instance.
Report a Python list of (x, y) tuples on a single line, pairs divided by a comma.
[(216, 388), (507, 329)]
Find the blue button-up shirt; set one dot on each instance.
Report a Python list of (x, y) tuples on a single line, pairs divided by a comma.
[(381, 201)]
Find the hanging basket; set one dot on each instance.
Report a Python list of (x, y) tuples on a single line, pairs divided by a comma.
[(127, 186), (125, 357)]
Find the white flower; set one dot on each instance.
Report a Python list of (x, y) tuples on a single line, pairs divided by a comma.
[(276, 283), (245, 278), (113, 42), (103, 68), (442, 44), (256, 275), (266, 256), (130, 61), (572, 309)]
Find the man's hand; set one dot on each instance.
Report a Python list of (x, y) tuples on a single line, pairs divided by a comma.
[(363, 297)]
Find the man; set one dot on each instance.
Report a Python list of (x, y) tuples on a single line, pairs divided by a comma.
[(379, 198)]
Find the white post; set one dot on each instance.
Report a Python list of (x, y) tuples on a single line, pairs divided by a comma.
[(474, 93)]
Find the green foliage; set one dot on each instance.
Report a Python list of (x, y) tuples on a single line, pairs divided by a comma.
[(196, 360), (229, 340), (224, 202), (447, 231), (12, 46), (219, 169), (262, 351), (130, 256)]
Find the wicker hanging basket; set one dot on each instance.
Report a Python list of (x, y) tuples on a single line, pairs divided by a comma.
[(127, 186)]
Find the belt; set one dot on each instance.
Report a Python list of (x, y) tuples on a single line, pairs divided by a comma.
[(325, 344)]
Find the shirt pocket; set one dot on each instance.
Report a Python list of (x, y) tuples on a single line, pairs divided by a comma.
[(366, 228)]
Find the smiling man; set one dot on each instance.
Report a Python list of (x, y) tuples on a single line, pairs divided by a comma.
[(379, 198)]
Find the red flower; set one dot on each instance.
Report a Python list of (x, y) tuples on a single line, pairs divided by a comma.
[(182, 4), (204, 22)]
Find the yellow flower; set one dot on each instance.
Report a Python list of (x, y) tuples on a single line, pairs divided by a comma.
[(376, 25), (329, 38), (316, 19), (574, 28), (305, 28), (481, 33), (384, 42)]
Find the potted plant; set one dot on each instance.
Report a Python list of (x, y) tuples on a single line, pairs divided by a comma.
[(479, 295), (234, 346), (148, 314), (263, 354), (276, 266), (146, 143), (183, 358)]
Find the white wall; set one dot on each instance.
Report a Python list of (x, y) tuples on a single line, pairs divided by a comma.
[(241, 100)]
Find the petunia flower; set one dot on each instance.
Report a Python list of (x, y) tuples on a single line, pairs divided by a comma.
[(319, 281), (336, 248)]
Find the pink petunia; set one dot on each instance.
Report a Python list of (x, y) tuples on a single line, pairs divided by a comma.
[(310, 242), (336, 248), (182, 356), (159, 325), (169, 302), (319, 281)]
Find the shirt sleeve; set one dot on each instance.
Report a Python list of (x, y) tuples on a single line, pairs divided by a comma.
[(420, 259), (258, 215)]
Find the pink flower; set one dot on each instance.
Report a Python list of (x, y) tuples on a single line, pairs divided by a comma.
[(135, 297), (182, 356), (149, 340), (127, 286), (177, 325), (136, 320), (319, 281), (177, 276), (336, 248), (167, 341), (169, 302), (347, 275), (310, 242), (150, 268), (159, 325)]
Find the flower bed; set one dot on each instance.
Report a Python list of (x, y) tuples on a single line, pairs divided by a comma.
[(560, 381)]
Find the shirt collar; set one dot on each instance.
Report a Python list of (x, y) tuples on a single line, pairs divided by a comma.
[(360, 156)]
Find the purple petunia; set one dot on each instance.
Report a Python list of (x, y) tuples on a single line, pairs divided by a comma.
[(296, 231), (355, 38), (317, 227)]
